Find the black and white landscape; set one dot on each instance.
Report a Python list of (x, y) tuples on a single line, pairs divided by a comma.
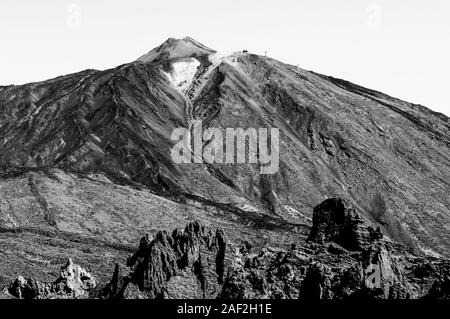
[(92, 206)]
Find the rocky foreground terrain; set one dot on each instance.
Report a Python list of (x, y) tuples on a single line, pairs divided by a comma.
[(338, 261), (85, 172)]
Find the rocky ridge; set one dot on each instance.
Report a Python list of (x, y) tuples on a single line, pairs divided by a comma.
[(185, 264), (343, 258)]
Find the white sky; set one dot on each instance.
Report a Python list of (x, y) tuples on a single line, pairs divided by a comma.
[(398, 47)]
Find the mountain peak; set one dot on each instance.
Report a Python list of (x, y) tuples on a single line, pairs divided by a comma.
[(174, 48)]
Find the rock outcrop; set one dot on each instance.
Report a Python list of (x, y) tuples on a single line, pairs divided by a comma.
[(345, 258), (335, 220), (74, 282), (184, 264)]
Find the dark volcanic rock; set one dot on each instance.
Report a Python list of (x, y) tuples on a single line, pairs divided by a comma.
[(195, 264), (198, 263), (321, 275), (335, 220), (185, 264), (378, 269), (114, 288)]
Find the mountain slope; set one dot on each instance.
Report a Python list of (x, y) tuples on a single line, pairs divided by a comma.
[(108, 133)]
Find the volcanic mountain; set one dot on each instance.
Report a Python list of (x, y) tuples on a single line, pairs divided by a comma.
[(86, 164)]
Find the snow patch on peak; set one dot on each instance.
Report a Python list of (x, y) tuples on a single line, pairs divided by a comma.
[(176, 49), (182, 73)]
